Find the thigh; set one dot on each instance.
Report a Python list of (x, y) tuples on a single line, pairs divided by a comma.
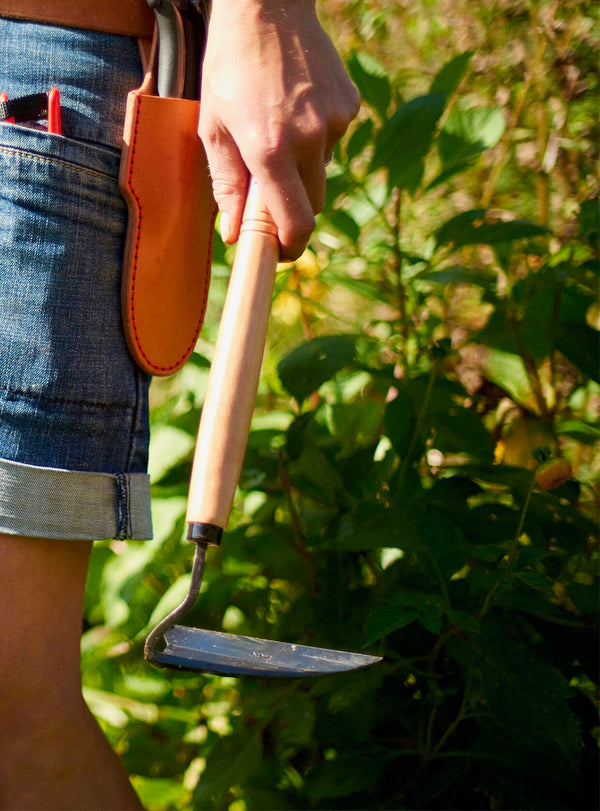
[(42, 585)]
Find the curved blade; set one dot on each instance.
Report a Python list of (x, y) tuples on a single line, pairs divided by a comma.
[(232, 655)]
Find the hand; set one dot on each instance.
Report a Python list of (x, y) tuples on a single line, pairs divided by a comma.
[(275, 100)]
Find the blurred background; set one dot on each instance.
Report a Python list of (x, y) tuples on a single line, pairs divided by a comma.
[(421, 480)]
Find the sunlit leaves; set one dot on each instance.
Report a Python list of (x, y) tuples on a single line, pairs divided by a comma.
[(311, 364), (405, 139), (450, 75), (476, 228), (372, 82), (464, 136)]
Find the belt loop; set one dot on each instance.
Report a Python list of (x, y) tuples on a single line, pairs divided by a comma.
[(145, 48)]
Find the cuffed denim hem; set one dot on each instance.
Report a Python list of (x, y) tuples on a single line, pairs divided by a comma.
[(43, 502)]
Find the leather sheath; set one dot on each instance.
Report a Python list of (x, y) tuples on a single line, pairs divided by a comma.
[(165, 180), (127, 17)]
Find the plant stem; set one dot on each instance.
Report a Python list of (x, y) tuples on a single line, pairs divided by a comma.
[(304, 313), (515, 541), (399, 263), (462, 714), (511, 553), (429, 732), (541, 179), (418, 429), (299, 544)]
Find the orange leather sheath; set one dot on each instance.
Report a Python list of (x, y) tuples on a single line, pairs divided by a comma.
[(128, 17), (165, 180)]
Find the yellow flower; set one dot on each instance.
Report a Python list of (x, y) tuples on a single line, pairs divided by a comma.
[(553, 473)]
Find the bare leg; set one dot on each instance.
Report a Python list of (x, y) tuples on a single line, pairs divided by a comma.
[(52, 753)]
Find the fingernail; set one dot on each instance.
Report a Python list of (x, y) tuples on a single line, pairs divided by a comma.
[(225, 227)]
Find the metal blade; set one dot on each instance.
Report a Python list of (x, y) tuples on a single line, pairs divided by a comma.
[(232, 655)]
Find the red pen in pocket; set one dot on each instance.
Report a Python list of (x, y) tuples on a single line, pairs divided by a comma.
[(54, 117)]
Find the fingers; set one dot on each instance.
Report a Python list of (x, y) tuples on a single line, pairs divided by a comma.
[(292, 212), (230, 178), (293, 188)]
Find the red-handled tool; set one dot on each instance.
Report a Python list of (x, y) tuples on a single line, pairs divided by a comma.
[(54, 114), (40, 111), (5, 118)]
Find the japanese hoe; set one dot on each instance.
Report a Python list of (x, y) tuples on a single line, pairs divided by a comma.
[(220, 448)]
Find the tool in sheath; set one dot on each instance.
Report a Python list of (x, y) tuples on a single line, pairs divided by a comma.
[(220, 447)]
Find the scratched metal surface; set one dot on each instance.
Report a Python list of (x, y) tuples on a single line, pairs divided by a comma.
[(229, 654)]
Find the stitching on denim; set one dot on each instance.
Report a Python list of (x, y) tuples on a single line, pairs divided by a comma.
[(122, 481), (66, 400), (57, 162), (136, 416)]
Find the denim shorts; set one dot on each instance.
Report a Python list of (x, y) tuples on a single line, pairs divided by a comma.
[(73, 406)]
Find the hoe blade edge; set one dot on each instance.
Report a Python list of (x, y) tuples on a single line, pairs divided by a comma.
[(233, 655)]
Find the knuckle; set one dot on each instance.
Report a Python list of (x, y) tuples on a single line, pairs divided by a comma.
[(294, 242), (227, 187), (341, 118), (292, 251), (338, 127), (223, 188), (354, 101), (319, 201), (208, 133), (314, 130), (272, 150)]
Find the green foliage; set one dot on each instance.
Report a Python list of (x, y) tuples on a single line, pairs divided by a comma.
[(420, 353), (313, 363)]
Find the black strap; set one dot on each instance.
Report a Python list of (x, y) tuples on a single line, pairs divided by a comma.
[(25, 108)]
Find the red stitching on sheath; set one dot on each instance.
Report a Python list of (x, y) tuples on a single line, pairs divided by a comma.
[(200, 321)]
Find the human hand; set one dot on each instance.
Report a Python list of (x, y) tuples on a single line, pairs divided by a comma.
[(275, 100)]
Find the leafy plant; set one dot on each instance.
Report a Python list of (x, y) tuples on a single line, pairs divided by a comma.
[(420, 482)]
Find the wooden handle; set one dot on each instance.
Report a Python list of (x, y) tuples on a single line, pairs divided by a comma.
[(234, 372)]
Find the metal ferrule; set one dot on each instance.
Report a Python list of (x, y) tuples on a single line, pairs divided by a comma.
[(208, 534)]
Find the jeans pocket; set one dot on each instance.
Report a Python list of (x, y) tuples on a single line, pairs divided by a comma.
[(62, 231)]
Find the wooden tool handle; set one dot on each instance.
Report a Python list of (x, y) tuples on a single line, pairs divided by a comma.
[(234, 374)]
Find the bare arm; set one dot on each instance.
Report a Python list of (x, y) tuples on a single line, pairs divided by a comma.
[(275, 100)]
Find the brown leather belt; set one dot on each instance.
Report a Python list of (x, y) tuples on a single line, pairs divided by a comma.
[(128, 17)]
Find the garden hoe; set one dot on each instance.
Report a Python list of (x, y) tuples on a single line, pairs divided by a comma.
[(219, 454), (220, 448)]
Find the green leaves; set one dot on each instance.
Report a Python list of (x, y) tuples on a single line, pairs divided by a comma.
[(400, 422), (475, 228), (450, 75), (387, 619), (370, 77), (579, 343), (231, 764), (405, 139), (311, 364), (464, 136), (528, 699)]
